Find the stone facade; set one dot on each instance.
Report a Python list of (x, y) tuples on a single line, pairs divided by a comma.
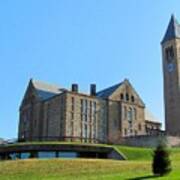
[(171, 69), (125, 113), (49, 112), (153, 128)]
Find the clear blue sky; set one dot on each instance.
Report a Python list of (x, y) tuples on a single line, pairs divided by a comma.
[(66, 41)]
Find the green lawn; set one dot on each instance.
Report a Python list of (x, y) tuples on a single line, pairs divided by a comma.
[(138, 165), (136, 153)]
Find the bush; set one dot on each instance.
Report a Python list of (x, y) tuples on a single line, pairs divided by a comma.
[(161, 161)]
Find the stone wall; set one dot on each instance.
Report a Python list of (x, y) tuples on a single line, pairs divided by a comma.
[(151, 141), (53, 117), (85, 111)]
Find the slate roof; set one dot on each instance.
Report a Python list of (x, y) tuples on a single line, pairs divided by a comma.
[(173, 30), (108, 91), (46, 91)]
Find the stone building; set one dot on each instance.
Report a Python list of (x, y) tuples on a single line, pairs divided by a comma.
[(171, 68), (153, 127), (49, 112)]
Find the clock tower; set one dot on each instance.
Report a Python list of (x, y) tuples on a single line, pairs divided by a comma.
[(171, 69)]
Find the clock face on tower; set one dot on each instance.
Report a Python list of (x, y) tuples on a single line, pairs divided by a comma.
[(170, 67)]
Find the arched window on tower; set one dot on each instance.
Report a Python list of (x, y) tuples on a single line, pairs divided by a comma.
[(169, 53)]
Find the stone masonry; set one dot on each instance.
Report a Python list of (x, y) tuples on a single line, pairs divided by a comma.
[(48, 112), (171, 68)]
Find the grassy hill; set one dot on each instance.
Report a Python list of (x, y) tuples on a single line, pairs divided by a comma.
[(137, 166)]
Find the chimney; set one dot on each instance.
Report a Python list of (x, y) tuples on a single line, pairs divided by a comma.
[(75, 88), (93, 90)]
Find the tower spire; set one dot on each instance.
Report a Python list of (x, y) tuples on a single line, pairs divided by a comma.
[(173, 30)]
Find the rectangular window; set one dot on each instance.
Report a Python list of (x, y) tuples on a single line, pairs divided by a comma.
[(125, 112), (86, 117), (86, 106), (94, 127), (72, 128), (135, 114), (81, 104), (64, 154), (94, 118), (86, 132), (46, 155), (90, 109), (94, 113), (130, 115), (72, 116), (94, 107), (72, 103), (94, 132)]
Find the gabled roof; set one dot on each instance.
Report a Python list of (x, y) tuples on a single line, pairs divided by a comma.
[(44, 90), (173, 30), (108, 91)]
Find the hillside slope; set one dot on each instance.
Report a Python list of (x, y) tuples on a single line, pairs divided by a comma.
[(138, 165)]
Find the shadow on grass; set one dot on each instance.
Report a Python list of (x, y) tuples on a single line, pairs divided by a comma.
[(143, 177)]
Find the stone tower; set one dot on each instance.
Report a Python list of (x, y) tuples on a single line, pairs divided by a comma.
[(171, 68)]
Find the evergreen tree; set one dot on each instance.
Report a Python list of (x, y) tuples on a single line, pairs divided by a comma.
[(161, 161)]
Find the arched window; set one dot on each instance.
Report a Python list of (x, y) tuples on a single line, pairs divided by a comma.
[(132, 98), (139, 127), (127, 97), (169, 53), (130, 114), (122, 96)]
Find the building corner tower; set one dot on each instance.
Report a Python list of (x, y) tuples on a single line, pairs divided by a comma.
[(171, 71)]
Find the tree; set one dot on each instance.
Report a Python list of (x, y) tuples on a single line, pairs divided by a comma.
[(161, 162)]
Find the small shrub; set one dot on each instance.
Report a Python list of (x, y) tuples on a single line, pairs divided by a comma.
[(161, 161)]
